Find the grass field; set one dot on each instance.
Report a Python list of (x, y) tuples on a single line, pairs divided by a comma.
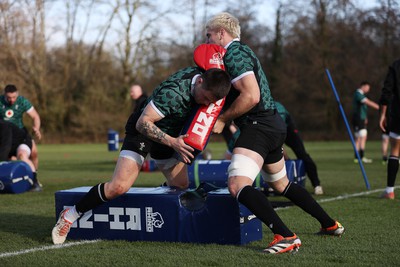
[(372, 236)]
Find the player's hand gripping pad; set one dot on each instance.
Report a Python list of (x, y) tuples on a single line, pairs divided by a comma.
[(200, 124)]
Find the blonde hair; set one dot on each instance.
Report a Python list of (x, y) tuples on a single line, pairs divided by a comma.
[(225, 21)]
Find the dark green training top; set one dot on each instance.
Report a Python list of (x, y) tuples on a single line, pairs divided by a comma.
[(239, 61), (359, 107), (173, 100), (14, 113)]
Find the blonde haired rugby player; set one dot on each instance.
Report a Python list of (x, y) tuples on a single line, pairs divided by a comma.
[(259, 147)]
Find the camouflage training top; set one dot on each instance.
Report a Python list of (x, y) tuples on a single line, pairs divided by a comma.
[(239, 60), (14, 113), (173, 100)]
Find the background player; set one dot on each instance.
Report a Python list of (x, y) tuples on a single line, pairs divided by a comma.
[(294, 141), (360, 119), (391, 97), (12, 108), (138, 96), (14, 142)]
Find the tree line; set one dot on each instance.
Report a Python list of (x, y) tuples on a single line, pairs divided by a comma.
[(80, 85)]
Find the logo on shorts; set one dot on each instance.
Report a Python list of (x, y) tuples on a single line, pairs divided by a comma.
[(9, 113), (2, 187), (247, 218), (142, 146)]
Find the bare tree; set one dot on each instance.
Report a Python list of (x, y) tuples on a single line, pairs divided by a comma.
[(23, 46), (78, 84)]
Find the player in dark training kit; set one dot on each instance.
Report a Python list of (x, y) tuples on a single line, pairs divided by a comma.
[(14, 142), (156, 130), (12, 108), (360, 119), (390, 98), (294, 141), (262, 133)]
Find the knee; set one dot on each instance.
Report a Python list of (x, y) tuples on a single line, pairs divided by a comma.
[(22, 156), (233, 190), (235, 185), (113, 190), (279, 185), (34, 154)]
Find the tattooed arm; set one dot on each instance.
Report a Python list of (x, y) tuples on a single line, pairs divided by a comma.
[(150, 130), (146, 126)]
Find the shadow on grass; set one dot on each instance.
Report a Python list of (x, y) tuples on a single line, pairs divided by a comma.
[(281, 204), (30, 226)]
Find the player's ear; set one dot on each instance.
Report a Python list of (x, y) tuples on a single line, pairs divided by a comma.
[(200, 80), (222, 32)]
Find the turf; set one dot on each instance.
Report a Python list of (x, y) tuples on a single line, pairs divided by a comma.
[(372, 236)]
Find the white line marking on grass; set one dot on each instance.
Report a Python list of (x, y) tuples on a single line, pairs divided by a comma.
[(346, 196), (70, 244)]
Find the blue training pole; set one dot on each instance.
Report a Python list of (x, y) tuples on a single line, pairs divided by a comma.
[(348, 129)]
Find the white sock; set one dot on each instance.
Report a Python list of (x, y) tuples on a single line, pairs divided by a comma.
[(389, 189), (72, 215)]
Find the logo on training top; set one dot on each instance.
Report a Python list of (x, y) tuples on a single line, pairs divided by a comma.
[(9, 113), (216, 59), (2, 186)]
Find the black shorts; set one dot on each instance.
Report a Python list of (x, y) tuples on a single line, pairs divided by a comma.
[(359, 124), (259, 138), (137, 142), (26, 140), (394, 125)]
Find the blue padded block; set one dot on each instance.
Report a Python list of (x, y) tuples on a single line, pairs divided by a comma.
[(216, 172), (15, 177), (156, 214), (113, 140)]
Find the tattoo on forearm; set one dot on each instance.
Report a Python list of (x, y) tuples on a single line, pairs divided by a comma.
[(158, 134), (153, 132)]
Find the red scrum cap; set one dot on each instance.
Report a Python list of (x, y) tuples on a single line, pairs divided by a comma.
[(208, 56)]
